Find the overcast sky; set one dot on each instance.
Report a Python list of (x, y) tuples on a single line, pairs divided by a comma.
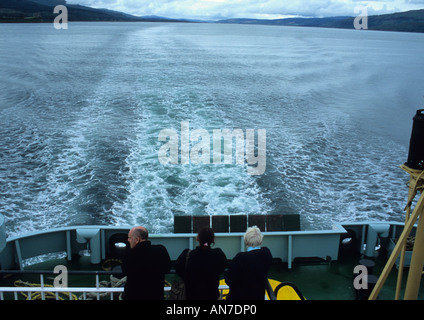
[(266, 9)]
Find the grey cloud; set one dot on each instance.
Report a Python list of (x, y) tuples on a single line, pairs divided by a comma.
[(211, 9)]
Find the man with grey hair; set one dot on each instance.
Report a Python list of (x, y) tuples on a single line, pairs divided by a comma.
[(248, 272), (145, 266)]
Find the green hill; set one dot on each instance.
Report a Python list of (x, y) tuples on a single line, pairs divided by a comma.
[(410, 21), (28, 11), (42, 11)]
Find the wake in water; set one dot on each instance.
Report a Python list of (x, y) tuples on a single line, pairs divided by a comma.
[(81, 118), (157, 192)]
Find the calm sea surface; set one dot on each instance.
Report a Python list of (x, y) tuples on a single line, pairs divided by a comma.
[(81, 111)]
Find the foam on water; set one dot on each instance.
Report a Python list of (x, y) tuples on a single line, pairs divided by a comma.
[(81, 113), (158, 192)]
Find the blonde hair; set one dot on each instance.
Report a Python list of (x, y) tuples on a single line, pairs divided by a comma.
[(253, 237)]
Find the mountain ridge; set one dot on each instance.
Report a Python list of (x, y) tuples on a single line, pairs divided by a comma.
[(408, 21), (42, 11)]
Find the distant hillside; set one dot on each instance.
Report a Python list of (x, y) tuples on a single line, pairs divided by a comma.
[(304, 22), (410, 21), (42, 11)]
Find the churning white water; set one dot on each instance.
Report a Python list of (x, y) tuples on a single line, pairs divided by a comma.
[(81, 111)]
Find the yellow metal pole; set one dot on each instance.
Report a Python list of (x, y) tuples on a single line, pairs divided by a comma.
[(401, 242), (401, 264), (417, 260), (411, 195)]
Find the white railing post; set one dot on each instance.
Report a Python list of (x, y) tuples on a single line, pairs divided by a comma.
[(42, 287)]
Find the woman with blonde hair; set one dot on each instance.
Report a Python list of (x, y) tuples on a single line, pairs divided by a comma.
[(248, 271)]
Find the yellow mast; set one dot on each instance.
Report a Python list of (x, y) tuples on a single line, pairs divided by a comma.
[(415, 167), (417, 260), (411, 195)]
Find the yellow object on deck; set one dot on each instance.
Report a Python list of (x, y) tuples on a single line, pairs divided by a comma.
[(283, 290)]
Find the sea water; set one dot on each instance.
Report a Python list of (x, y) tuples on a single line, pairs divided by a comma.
[(81, 111)]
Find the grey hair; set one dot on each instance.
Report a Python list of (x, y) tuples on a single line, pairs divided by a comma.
[(253, 237), (142, 233)]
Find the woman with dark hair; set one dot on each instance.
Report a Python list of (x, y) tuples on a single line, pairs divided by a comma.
[(202, 267)]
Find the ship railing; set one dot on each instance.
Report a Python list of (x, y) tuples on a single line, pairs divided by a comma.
[(40, 290), (43, 291)]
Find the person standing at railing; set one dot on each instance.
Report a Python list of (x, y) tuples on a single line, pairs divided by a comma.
[(202, 268), (145, 266), (248, 272)]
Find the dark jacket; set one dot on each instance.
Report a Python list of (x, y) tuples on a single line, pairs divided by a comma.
[(205, 265), (247, 274), (145, 266)]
